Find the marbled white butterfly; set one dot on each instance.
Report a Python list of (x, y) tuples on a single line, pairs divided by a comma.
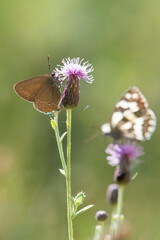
[(131, 118)]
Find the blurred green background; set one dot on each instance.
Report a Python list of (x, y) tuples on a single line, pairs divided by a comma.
[(122, 41)]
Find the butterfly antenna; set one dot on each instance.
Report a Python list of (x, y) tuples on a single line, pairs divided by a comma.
[(91, 138), (49, 65)]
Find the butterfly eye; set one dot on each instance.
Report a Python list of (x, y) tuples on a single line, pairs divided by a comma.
[(53, 74)]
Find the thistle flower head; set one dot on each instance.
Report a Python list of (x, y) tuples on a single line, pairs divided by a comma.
[(75, 68), (123, 152)]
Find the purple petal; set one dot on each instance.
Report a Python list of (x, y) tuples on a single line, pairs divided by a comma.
[(74, 68)]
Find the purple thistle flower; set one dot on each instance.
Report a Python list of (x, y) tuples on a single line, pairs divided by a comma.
[(123, 152), (122, 156), (73, 70)]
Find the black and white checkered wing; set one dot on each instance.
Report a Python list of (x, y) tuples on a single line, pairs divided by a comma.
[(131, 118)]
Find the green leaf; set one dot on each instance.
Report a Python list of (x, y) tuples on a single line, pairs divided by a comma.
[(134, 176), (53, 123), (62, 172), (63, 135), (82, 210)]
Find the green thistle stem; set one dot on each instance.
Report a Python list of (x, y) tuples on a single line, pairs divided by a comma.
[(117, 217), (54, 124), (67, 169), (112, 225), (98, 231), (120, 202), (68, 178)]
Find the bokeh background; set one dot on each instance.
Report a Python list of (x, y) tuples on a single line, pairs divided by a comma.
[(122, 41)]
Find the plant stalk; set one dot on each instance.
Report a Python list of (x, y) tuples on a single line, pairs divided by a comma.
[(98, 232), (120, 202), (54, 125), (68, 178), (117, 217)]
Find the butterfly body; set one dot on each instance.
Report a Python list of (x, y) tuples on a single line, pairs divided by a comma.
[(131, 118), (43, 91), (107, 131)]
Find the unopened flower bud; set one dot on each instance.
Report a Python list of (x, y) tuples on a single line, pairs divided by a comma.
[(101, 216), (112, 193), (79, 199)]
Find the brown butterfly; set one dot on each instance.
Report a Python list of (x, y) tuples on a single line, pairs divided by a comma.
[(43, 91), (131, 118)]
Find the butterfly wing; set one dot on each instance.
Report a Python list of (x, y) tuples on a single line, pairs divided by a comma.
[(48, 98), (43, 91), (132, 118), (29, 88)]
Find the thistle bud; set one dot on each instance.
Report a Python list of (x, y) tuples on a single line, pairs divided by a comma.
[(112, 193), (101, 216)]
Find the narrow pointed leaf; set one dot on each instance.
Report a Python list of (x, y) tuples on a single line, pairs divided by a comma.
[(63, 135), (82, 210), (62, 172), (135, 175)]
